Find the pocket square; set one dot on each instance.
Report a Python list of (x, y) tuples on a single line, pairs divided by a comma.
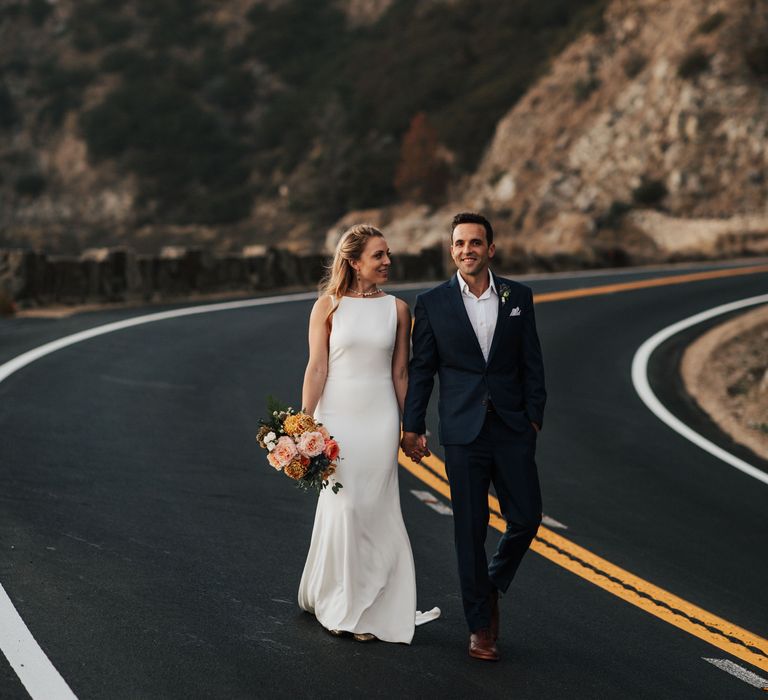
[(515, 312)]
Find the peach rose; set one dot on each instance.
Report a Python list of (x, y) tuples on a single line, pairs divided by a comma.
[(285, 451), (273, 462), (324, 432), (331, 449), (311, 444)]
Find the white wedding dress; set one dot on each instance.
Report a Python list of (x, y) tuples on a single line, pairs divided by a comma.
[(359, 576)]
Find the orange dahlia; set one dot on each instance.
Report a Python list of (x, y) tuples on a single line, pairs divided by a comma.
[(298, 424), (295, 469)]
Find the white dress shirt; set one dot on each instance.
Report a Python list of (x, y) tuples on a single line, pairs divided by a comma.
[(482, 311)]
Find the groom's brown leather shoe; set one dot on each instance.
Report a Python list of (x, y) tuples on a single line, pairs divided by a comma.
[(482, 646), (495, 614)]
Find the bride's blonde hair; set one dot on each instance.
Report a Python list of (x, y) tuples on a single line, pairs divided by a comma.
[(340, 275)]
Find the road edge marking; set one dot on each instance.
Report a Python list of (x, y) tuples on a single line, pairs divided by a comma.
[(739, 672), (30, 663), (643, 387)]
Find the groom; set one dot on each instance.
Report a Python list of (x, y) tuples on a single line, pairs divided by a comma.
[(478, 332)]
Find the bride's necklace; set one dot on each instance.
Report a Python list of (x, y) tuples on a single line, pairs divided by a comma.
[(372, 293)]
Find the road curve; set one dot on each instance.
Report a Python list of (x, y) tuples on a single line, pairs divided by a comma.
[(153, 554)]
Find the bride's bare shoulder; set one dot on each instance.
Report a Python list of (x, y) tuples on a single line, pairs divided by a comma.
[(403, 310), (324, 303), (322, 307)]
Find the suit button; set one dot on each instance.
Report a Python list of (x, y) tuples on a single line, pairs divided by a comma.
[(484, 402)]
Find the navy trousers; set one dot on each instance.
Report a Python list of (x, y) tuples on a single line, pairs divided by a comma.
[(507, 459)]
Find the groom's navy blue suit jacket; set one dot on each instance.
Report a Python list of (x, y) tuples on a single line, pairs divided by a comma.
[(444, 342)]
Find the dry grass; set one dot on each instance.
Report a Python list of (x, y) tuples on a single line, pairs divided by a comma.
[(726, 371)]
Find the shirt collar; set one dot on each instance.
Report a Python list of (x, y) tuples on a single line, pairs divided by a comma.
[(465, 287)]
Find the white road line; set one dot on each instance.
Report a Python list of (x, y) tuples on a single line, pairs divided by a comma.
[(551, 522), (740, 672), (428, 499), (643, 387), (14, 365), (36, 673)]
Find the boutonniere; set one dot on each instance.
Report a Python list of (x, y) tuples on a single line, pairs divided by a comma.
[(505, 290)]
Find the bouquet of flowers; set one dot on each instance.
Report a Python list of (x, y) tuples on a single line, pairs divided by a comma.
[(300, 447)]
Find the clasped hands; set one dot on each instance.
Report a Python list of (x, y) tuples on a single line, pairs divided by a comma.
[(415, 446)]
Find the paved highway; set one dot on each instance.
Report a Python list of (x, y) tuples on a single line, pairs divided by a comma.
[(152, 553)]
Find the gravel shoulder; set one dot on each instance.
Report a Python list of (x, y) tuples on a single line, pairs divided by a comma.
[(726, 372)]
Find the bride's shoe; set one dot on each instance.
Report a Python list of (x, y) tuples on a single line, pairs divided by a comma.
[(337, 633), (364, 637)]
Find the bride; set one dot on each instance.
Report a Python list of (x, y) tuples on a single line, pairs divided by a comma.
[(359, 575)]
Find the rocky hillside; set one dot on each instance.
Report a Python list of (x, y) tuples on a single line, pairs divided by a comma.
[(154, 122), (647, 139)]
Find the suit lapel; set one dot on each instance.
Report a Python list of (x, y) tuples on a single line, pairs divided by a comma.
[(500, 318), (454, 294)]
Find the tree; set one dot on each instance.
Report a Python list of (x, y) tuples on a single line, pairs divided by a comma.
[(422, 174)]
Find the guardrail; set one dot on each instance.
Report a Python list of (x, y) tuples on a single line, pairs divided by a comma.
[(31, 278)]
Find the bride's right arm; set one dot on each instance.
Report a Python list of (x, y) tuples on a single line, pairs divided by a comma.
[(317, 367)]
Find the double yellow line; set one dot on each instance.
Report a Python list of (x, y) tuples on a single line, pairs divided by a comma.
[(732, 639)]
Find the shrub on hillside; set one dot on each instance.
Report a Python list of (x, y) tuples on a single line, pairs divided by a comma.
[(584, 87), (634, 64), (62, 89), (130, 62), (695, 62), (615, 214), (757, 59), (8, 113), (173, 23), (234, 90), (712, 22), (465, 63), (422, 174), (38, 10), (649, 192), (294, 38), (30, 185), (190, 168), (96, 24)]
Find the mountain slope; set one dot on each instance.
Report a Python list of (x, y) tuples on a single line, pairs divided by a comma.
[(149, 121), (646, 140)]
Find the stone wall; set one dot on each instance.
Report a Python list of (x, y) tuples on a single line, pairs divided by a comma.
[(32, 278)]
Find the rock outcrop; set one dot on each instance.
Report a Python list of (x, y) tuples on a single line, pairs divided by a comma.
[(647, 140)]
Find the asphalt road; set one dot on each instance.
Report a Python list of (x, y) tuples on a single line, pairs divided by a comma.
[(154, 554)]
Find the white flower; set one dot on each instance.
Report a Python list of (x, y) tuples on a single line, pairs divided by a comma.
[(270, 437), (271, 444)]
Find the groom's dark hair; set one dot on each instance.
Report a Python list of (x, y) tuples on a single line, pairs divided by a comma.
[(468, 217)]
